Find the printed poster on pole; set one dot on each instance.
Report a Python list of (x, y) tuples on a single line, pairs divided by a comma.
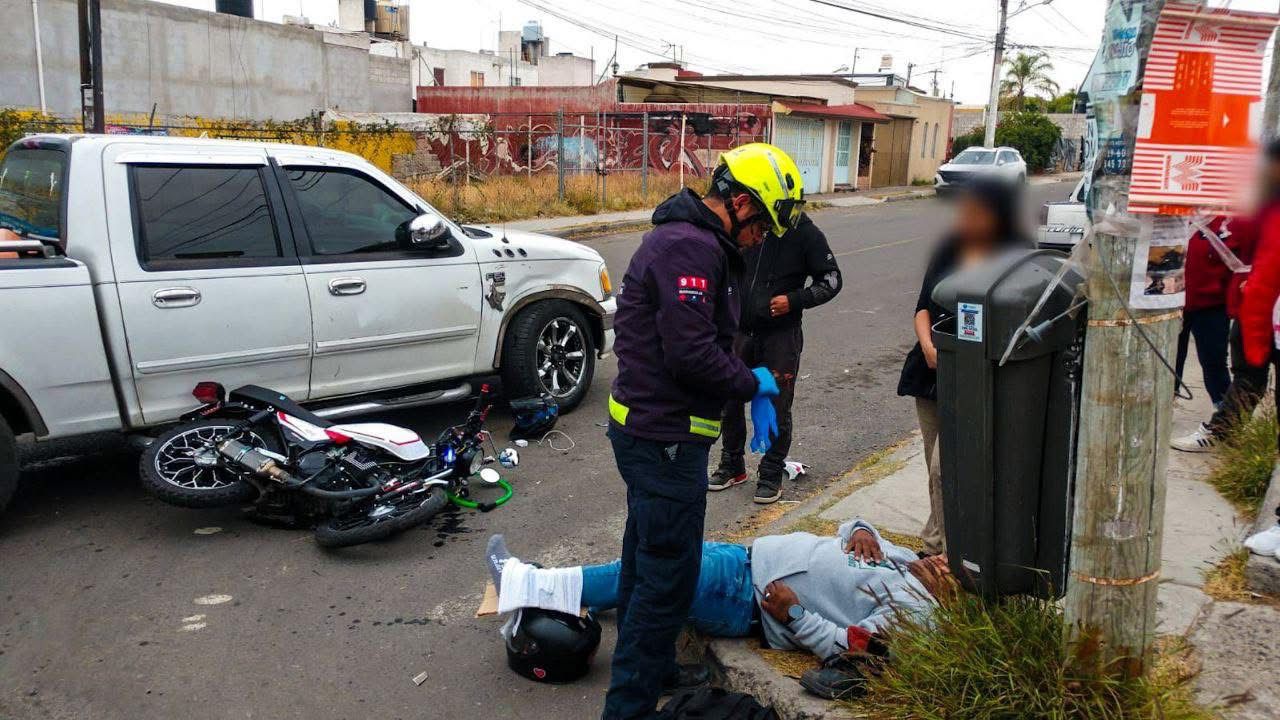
[(1201, 109)]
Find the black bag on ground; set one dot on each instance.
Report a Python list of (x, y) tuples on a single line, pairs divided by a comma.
[(712, 703)]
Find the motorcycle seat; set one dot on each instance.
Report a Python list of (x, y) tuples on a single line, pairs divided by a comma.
[(265, 396)]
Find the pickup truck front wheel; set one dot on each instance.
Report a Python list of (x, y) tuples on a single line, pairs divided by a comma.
[(8, 464), (549, 348)]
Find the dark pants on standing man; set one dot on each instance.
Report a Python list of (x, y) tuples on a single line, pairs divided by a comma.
[(779, 350), (661, 560), (1248, 383), (1211, 328)]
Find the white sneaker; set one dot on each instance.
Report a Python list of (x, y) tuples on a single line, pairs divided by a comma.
[(1198, 442), (1266, 542)]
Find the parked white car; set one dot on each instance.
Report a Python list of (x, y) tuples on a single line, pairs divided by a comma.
[(302, 269), (1002, 163), (1062, 222)]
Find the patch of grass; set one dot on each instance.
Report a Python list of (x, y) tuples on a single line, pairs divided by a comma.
[(911, 542), (1245, 460), (978, 660), (515, 197), (1227, 581), (815, 525)]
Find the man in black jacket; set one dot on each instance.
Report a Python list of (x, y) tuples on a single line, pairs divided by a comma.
[(774, 299)]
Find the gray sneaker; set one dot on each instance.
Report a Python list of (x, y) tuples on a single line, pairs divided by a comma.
[(726, 477)]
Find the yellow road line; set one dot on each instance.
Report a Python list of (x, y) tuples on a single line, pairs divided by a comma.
[(879, 247)]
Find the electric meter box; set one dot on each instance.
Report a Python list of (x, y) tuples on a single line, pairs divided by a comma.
[(1007, 432)]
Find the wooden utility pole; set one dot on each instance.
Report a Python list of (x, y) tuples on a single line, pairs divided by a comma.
[(1125, 415), (89, 14)]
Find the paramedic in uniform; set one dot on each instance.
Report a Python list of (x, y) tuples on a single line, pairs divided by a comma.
[(677, 314)]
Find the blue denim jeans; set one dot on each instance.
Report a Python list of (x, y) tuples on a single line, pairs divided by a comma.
[(722, 604)]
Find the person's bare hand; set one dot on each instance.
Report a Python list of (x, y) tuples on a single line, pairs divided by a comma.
[(864, 546), (779, 306), (778, 599), (930, 355)]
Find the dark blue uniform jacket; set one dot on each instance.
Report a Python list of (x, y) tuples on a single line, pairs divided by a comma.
[(677, 313)]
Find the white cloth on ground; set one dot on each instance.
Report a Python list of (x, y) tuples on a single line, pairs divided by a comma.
[(524, 585)]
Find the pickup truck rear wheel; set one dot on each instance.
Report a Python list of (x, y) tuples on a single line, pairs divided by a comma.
[(549, 348), (172, 469), (8, 464)]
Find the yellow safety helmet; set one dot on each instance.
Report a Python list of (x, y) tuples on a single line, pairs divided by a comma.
[(769, 175)]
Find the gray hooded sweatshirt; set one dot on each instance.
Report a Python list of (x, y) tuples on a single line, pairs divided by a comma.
[(835, 590)]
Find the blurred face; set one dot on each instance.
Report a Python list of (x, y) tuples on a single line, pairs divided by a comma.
[(753, 221), (975, 224)]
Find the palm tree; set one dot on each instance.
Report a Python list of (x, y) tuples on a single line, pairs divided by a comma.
[(1024, 72)]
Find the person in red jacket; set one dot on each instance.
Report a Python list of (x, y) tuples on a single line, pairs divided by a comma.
[(1205, 315), (1250, 300)]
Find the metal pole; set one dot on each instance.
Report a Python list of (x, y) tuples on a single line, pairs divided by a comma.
[(95, 21), (529, 149), (560, 154), (35, 24), (993, 101), (582, 143), (604, 161), (680, 150), (1126, 409), (644, 157)]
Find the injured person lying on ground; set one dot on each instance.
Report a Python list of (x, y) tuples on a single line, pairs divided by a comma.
[(827, 595)]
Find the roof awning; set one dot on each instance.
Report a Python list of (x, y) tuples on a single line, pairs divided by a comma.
[(852, 111)]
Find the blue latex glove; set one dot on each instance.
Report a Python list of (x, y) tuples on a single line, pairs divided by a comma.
[(766, 386), (764, 419), (764, 423)]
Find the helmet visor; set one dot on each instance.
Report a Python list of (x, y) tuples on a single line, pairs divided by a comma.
[(788, 212)]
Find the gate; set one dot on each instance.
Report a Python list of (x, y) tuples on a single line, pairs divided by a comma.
[(802, 139)]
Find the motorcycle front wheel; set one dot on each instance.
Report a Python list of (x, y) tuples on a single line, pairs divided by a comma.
[(380, 520), (180, 467)]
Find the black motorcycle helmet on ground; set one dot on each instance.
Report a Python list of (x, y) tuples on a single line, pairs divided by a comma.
[(552, 647), (533, 417)]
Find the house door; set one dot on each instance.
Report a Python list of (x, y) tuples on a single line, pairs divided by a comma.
[(844, 153), (801, 138), (893, 153)]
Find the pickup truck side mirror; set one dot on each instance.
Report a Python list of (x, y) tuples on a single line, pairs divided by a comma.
[(428, 231)]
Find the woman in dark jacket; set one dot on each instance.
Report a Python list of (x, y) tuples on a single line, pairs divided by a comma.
[(987, 220)]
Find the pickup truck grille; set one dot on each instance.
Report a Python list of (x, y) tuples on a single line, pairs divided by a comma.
[(952, 176)]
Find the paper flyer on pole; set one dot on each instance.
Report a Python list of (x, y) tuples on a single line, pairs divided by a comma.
[(1159, 263), (1201, 108)]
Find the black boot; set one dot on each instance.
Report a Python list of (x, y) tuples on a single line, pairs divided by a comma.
[(839, 678), (685, 677), (768, 487)]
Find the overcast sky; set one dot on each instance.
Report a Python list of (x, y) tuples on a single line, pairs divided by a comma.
[(768, 36)]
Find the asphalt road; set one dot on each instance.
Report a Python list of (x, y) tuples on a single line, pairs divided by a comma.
[(113, 605)]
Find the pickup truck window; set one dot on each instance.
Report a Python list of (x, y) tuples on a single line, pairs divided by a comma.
[(347, 213), (1007, 156), (192, 215), (31, 191)]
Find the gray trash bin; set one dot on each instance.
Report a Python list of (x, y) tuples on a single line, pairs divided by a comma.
[(1007, 433)]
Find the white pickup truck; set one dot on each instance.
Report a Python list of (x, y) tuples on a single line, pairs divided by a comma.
[(302, 269), (1063, 222)]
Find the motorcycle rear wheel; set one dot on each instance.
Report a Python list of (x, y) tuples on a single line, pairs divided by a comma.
[(356, 529), (169, 469)]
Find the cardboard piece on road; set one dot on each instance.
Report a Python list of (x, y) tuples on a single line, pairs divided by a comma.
[(1201, 108)]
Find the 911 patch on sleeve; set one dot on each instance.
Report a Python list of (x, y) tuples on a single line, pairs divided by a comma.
[(692, 288)]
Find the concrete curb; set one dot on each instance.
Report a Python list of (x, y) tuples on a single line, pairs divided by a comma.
[(1263, 573)]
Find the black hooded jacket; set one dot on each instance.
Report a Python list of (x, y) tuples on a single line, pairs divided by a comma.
[(783, 266)]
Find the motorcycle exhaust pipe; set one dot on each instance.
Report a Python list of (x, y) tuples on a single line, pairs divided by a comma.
[(257, 461)]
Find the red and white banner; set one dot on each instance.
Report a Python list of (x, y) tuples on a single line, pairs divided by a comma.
[(1201, 105)]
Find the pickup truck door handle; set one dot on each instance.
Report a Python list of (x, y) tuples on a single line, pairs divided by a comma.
[(175, 297), (346, 286)]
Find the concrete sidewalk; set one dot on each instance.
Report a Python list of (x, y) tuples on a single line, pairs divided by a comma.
[(574, 226), (1235, 641)]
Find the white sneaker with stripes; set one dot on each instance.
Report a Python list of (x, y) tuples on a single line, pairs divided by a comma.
[(1202, 440)]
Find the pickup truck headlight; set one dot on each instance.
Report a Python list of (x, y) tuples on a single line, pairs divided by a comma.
[(606, 285)]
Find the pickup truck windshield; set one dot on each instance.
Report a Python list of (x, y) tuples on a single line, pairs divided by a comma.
[(975, 157), (31, 192)]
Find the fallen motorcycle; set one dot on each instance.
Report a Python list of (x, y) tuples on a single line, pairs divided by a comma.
[(356, 482)]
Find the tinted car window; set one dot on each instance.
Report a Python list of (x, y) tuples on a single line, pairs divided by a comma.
[(31, 191), (347, 213), (203, 213)]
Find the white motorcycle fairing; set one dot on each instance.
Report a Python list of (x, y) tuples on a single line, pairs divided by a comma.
[(401, 442)]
